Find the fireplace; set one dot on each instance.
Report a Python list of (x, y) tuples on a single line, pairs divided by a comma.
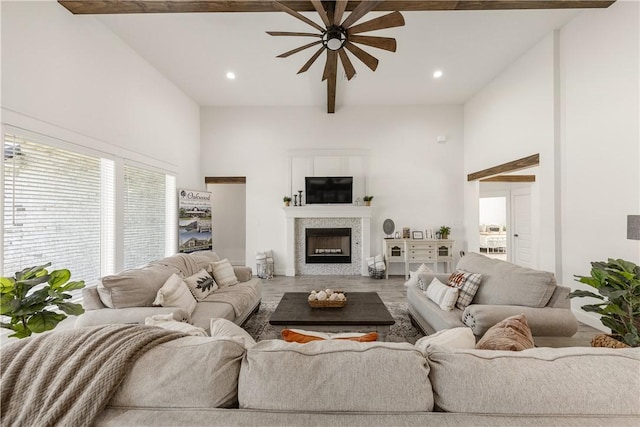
[(328, 245)]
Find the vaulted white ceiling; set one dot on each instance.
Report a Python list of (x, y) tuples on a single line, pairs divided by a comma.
[(195, 51)]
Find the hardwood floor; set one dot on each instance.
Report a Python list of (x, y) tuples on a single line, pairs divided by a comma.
[(390, 290)]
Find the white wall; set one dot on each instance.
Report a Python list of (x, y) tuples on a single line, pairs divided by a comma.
[(513, 117), (71, 75), (600, 75), (415, 180)]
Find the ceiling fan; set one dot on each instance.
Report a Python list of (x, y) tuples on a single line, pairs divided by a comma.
[(339, 36)]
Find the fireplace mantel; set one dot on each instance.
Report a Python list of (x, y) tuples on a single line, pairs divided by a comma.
[(327, 211)]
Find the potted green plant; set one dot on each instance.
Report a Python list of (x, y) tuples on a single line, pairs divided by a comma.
[(618, 285), (26, 297), (367, 200), (444, 232), (286, 200)]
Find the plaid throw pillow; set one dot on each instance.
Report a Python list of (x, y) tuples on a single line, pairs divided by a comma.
[(468, 283)]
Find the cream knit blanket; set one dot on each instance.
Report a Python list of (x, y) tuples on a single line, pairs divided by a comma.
[(67, 378)]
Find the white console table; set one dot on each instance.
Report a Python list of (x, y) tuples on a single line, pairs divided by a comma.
[(414, 251)]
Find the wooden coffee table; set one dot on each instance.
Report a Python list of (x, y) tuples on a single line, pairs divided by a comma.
[(364, 312)]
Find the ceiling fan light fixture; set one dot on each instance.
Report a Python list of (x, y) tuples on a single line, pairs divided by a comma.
[(334, 38)]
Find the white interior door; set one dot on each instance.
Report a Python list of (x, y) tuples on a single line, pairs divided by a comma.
[(228, 218), (521, 227)]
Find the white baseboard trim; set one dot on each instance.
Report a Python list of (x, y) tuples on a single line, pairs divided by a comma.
[(591, 320)]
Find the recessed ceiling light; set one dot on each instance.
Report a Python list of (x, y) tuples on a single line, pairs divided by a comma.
[(437, 74), (231, 75)]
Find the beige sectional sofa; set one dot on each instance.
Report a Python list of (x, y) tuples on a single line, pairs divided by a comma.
[(217, 381), (128, 297), (505, 290)]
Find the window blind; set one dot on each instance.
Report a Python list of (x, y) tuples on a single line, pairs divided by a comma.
[(145, 218), (52, 208)]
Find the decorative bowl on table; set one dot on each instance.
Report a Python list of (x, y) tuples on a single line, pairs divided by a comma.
[(327, 299)]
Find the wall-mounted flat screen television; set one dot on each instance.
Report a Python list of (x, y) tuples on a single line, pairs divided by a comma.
[(328, 189)]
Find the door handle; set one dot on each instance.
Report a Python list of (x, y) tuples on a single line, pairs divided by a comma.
[(515, 235)]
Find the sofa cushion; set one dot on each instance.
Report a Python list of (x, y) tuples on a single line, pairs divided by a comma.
[(334, 375), (207, 310), (539, 381), (443, 295), (414, 275), (167, 321), (451, 338), (134, 288), (175, 293), (468, 284), (225, 328), (204, 259), (201, 284), (504, 283), (223, 273), (511, 334), (431, 313), (190, 372), (301, 336)]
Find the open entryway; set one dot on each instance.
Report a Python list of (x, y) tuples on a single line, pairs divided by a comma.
[(228, 217)]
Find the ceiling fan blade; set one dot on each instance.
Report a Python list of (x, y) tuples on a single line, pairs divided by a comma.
[(341, 5), (286, 33), (291, 52), (386, 43), (363, 56), (297, 15), (346, 64), (311, 60), (394, 19), (360, 10), (331, 65), (317, 4)]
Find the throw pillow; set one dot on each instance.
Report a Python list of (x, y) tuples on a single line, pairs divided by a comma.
[(167, 321), (175, 293), (223, 273), (462, 338), (414, 275), (468, 283), (443, 295), (511, 334), (225, 328), (201, 284), (301, 336)]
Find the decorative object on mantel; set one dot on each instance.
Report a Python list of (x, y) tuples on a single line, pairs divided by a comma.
[(444, 232), (327, 299), (295, 200), (633, 227), (300, 197), (417, 235), (429, 233), (618, 283), (388, 226), (367, 200), (27, 295), (286, 200), (406, 232)]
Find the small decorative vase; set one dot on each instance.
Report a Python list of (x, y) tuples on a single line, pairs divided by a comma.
[(287, 203), (367, 202), (444, 236)]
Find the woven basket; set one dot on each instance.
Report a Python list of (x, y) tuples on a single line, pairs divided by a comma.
[(375, 273), (327, 304), (604, 340)]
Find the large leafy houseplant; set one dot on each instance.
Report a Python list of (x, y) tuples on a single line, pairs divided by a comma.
[(28, 297), (618, 285)]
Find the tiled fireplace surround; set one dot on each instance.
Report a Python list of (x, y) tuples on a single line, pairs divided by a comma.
[(358, 218)]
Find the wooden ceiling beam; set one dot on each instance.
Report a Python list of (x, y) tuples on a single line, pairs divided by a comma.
[(513, 166), (98, 7), (510, 178)]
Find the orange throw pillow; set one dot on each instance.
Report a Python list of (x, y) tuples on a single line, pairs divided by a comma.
[(300, 336)]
